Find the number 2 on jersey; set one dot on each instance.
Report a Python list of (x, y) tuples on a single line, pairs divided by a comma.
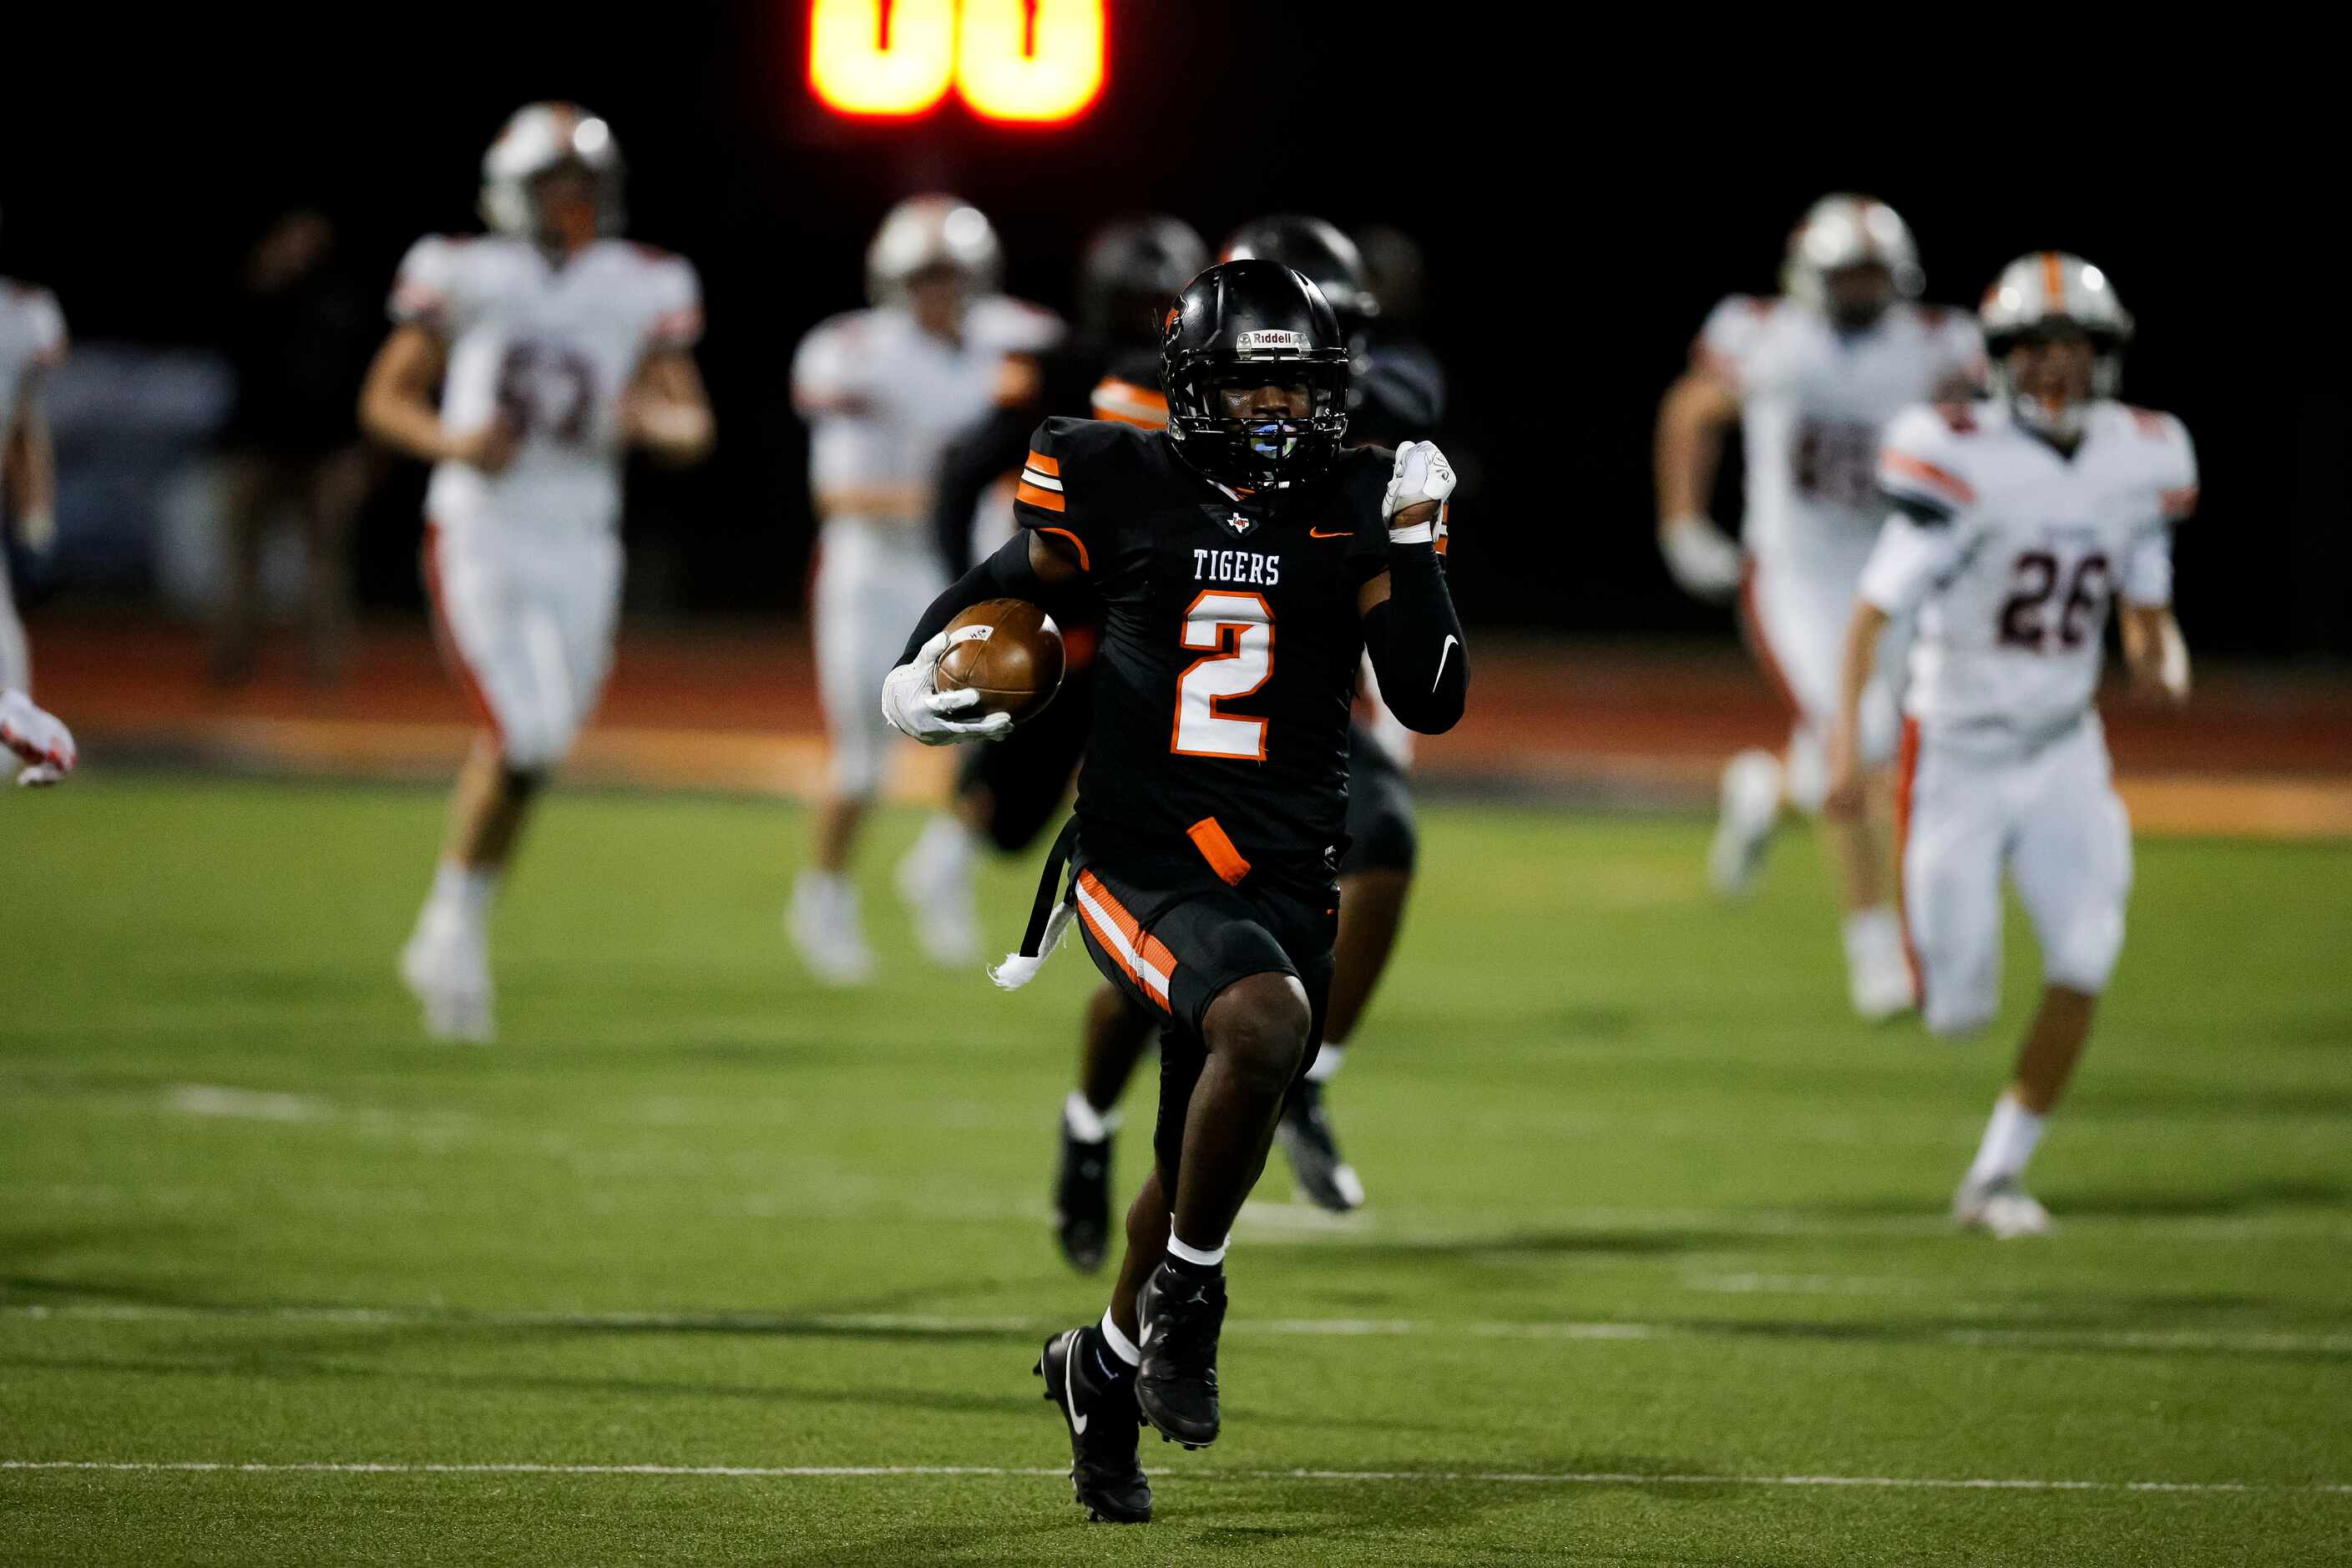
[(1239, 629)]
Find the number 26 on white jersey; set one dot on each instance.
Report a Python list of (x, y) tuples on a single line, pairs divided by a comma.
[(1237, 632)]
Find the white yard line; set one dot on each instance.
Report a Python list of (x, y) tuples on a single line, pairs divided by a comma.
[(862, 1472), (917, 1323)]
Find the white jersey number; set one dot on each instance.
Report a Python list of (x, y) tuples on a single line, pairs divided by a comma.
[(2034, 580), (547, 389), (1239, 630)]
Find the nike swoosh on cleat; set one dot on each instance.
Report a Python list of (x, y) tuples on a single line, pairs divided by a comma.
[(1343, 533), (1069, 1401), (1449, 640)]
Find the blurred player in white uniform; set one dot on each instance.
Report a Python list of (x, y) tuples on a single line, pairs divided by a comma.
[(32, 344), (885, 391), (1811, 378), (2017, 522), (554, 347)]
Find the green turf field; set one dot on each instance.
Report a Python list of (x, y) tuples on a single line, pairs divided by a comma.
[(1654, 1255)]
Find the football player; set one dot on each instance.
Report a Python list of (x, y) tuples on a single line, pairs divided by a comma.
[(553, 347), (2017, 523), (884, 390), (1246, 562), (32, 344), (1811, 378), (1387, 402)]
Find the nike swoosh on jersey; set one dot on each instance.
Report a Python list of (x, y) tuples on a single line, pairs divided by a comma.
[(1319, 533), (1449, 640)]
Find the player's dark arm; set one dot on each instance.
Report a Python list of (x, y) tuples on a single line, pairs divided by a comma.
[(990, 449), (1029, 566), (1415, 640)]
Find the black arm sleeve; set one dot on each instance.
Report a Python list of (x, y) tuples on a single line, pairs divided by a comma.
[(1415, 641), (1006, 575), (987, 450)]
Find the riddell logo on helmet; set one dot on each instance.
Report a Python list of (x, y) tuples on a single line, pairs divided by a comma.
[(1270, 339)]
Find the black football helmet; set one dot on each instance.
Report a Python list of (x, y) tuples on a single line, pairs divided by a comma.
[(1307, 245), (1131, 270), (1242, 325)]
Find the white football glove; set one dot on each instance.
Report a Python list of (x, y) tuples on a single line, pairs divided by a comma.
[(37, 531), (1421, 474), (913, 706), (1705, 560), (40, 738)]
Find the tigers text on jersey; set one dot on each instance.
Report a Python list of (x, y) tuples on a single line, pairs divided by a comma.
[(2011, 553), (1812, 402), (553, 347), (1230, 643), (885, 398), (32, 337)]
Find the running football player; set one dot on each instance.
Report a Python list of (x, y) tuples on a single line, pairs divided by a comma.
[(1811, 379), (884, 390), (1246, 562), (32, 344), (553, 347), (2017, 523), (1388, 401)]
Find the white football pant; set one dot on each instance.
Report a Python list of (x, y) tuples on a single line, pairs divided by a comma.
[(2051, 820)]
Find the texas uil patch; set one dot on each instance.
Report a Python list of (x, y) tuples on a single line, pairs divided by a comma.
[(1234, 522)]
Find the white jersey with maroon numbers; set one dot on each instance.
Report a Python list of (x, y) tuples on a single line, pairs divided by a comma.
[(1813, 400), (32, 337), (2010, 551), (884, 398), (553, 347)]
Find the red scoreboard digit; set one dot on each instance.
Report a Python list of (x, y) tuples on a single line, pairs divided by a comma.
[(1029, 61)]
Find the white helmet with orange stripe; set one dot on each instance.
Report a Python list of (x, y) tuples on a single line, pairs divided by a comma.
[(1853, 235), (537, 140), (932, 233), (2049, 295)]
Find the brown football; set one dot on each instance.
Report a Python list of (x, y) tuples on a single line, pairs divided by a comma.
[(1008, 651)]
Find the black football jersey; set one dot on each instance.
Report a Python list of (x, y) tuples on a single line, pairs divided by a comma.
[(1231, 642)]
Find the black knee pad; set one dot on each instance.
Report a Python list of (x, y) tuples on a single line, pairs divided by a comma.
[(523, 781)]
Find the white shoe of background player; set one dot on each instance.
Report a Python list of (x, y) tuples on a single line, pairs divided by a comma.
[(1751, 809), (934, 881), (2001, 1207), (827, 930), (1878, 970), (447, 967)]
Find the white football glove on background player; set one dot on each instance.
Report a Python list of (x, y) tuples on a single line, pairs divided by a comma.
[(41, 739), (913, 706), (37, 532), (1421, 474), (1705, 560)]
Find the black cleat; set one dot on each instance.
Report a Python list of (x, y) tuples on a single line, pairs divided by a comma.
[(1082, 1201), (1304, 1133), (1103, 1425), (1176, 1387)]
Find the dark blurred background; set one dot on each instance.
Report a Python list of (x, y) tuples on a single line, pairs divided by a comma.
[(1582, 198)]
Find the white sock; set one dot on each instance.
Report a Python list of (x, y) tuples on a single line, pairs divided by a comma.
[(1872, 934), (463, 891), (1121, 1345), (1329, 1060), (2009, 1140), (944, 847), (1087, 1124), (1198, 1257)]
